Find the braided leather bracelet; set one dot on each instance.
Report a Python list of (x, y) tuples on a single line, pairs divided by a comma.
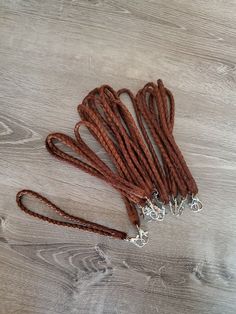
[(76, 222)]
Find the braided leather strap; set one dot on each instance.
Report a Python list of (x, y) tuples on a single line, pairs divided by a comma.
[(75, 222)]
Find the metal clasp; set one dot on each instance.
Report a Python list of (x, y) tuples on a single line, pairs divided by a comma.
[(195, 204), (141, 238), (176, 207), (158, 207), (160, 212), (153, 212)]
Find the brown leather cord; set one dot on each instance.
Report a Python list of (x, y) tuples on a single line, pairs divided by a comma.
[(191, 184), (114, 153), (170, 120), (156, 166), (75, 222), (169, 115), (131, 209), (130, 157), (133, 194), (96, 167), (140, 149), (194, 189), (141, 180), (160, 141), (118, 162), (131, 145), (110, 147), (178, 159), (89, 110), (173, 160)]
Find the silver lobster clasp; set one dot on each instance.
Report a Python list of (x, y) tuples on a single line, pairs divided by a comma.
[(160, 212), (177, 205), (141, 238), (195, 204), (153, 212), (181, 206), (173, 205)]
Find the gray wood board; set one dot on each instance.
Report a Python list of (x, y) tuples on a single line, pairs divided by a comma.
[(51, 54)]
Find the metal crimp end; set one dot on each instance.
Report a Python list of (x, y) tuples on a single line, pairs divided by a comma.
[(153, 212), (176, 207), (141, 238), (195, 204)]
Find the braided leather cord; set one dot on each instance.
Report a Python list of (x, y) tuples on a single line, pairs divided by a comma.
[(75, 222)]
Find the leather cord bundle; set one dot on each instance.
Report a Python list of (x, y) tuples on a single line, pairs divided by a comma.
[(148, 170)]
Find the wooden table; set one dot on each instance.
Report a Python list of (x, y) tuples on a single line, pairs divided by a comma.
[(51, 54)]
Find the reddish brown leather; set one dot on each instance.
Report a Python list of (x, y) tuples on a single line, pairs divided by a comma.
[(160, 123), (75, 222), (138, 168)]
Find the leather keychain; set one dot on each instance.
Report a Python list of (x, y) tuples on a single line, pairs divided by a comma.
[(76, 222)]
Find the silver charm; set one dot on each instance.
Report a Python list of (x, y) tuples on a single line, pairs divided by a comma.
[(177, 206), (158, 206), (161, 211), (149, 212), (141, 238), (181, 206), (195, 204), (153, 212)]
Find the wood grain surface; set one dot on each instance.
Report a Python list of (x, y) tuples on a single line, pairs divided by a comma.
[(51, 54)]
